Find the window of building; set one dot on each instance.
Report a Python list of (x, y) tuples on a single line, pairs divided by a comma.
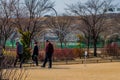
[(110, 9), (118, 9)]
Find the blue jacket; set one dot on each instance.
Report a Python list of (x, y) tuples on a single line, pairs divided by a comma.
[(19, 49)]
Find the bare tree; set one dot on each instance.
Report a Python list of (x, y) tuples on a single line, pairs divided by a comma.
[(6, 25), (29, 15), (117, 22), (61, 26), (92, 13), (85, 31)]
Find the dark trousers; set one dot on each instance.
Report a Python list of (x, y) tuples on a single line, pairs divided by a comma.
[(48, 57), (34, 58), (20, 58)]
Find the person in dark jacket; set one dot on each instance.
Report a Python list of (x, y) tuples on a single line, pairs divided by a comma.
[(19, 55), (35, 54), (48, 54)]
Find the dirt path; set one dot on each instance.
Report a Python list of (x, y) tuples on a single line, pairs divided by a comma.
[(101, 71)]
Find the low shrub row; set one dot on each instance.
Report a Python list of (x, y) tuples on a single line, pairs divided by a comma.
[(64, 54)]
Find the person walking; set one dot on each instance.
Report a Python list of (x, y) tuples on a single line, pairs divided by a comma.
[(49, 50), (19, 54), (35, 54)]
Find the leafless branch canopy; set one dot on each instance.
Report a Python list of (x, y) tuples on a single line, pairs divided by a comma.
[(61, 26)]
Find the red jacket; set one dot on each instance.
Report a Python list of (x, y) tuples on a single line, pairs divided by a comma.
[(49, 48)]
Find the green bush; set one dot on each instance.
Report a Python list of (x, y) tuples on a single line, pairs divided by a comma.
[(25, 40)]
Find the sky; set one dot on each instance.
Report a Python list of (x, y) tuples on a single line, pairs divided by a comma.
[(61, 4)]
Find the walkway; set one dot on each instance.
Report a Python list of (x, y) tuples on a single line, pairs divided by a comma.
[(100, 71)]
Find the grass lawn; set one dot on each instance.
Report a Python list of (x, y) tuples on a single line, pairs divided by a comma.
[(94, 71)]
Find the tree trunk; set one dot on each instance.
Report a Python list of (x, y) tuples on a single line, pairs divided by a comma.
[(4, 44), (29, 42), (88, 45), (1, 41), (12, 43), (95, 47), (61, 45)]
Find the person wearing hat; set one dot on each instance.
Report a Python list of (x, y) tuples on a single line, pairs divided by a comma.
[(35, 53), (48, 54)]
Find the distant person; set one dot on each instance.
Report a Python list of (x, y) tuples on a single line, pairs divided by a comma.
[(35, 53), (48, 54), (19, 54)]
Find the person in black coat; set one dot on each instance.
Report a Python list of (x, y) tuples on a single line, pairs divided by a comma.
[(48, 54), (35, 54)]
